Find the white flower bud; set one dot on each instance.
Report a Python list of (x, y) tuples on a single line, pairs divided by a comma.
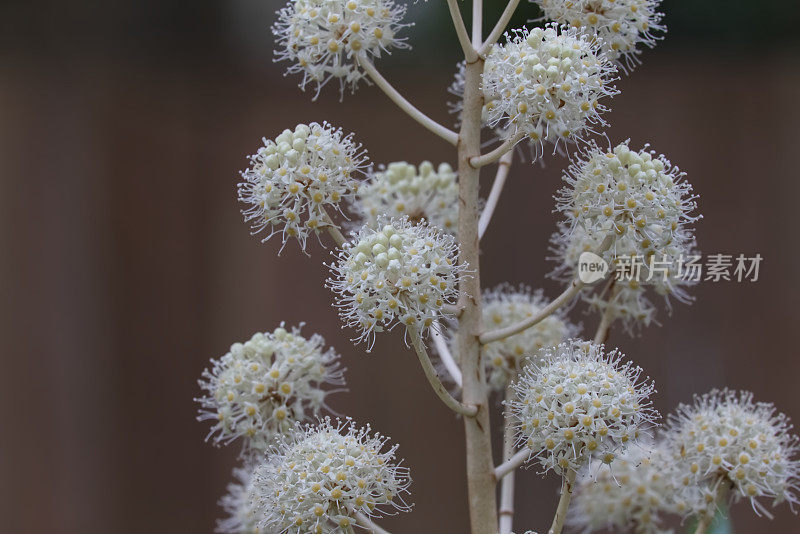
[(533, 90), (375, 294), (620, 25), (400, 190), (288, 191), (321, 38), (580, 403), (319, 477), (725, 437), (264, 386)]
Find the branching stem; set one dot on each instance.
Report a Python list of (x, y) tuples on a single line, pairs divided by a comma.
[(480, 161), (430, 124), (506, 512), (503, 166), (444, 353), (463, 37), (508, 12), (573, 289)]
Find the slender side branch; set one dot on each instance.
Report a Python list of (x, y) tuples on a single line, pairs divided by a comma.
[(477, 23), (368, 524), (607, 319), (508, 12), (506, 511), (430, 124), (470, 54), (437, 385), (563, 502), (333, 230), (574, 287), (444, 353), (477, 162), (503, 167), (512, 463)]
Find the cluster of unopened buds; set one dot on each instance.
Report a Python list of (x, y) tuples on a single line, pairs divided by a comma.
[(406, 247)]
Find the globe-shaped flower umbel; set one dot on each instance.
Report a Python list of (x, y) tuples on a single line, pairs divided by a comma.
[(239, 503), (404, 190), (643, 202), (579, 403), (294, 179), (262, 387), (546, 84), (400, 273), (725, 437), (507, 305), (317, 479), (620, 25), (322, 39), (632, 495)]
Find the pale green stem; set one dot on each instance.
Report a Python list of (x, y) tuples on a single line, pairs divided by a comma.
[(563, 502), (430, 374)]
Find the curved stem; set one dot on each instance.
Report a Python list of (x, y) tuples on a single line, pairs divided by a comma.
[(368, 524), (506, 512), (433, 126), (574, 287), (519, 458), (463, 37), (503, 167), (508, 12), (563, 502), (444, 353), (430, 374), (490, 157)]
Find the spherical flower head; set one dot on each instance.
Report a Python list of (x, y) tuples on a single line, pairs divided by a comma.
[(317, 479), (546, 84), (506, 305), (725, 437), (399, 273), (403, 190), (239, 504), (635, 493), (579, 403), (262, 387), (620, 25), (641, 200), (323, 39), (295, 178)]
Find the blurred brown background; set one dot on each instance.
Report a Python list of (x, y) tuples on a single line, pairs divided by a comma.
[(125, 265)]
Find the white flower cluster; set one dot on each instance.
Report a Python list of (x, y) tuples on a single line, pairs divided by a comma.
[(400, 272), (546, 84), (727, 438), (580, 403), (322, 39), (239, 504), (620, 24), (264, 386), (506, 305), (641, 200), (294, 178), (317, 479), (634, 494), (402, 190)]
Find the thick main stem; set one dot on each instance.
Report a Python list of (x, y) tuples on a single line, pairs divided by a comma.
[(480, 469), (563, 503)]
